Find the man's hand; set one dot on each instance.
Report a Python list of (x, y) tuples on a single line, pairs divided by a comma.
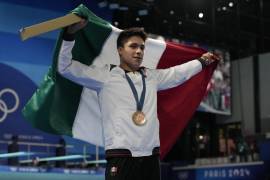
[(208, 58), (72, 29), (69, 33)]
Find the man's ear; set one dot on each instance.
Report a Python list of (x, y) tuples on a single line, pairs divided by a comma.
[(119, 49)]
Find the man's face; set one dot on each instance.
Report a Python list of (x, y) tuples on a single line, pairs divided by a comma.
[(131, 54)]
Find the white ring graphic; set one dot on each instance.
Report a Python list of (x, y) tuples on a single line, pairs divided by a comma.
[(3, 106)]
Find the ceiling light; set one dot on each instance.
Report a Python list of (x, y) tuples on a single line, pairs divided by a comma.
[(231, 4), (143, 12), (114, 6), (102, 4), (123, 8), (200, 15)]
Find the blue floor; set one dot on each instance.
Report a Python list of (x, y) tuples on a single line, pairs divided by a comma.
[(47, 176)]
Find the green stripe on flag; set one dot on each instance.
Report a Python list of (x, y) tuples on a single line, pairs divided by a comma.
[(54, 105)]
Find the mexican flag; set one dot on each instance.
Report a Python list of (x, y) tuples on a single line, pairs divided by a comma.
[(60, 106)]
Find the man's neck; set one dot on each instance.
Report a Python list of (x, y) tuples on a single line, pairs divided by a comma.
[(125, 67)]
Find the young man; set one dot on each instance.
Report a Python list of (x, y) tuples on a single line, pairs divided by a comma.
[(128, 101)]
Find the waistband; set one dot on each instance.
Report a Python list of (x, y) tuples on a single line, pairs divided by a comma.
[(110, 153)]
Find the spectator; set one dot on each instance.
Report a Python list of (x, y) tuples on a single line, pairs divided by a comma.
[(60, 151), (242, 149), (13, 147)]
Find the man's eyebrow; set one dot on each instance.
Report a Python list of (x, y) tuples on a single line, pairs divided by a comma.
[(137, 44)]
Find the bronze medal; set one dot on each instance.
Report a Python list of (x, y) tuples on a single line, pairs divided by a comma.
[(139, 118)]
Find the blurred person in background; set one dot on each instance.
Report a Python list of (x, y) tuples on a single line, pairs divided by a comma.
[(12, 148)]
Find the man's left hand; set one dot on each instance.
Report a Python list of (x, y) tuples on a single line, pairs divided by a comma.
[(209, 58)]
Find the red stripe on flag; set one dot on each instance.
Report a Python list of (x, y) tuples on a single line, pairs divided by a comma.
[(177, 105)]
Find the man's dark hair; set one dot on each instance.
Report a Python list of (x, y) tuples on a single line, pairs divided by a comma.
[(127, 33)]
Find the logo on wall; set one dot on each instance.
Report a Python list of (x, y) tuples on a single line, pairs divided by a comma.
[(16, 88), (5, 108)]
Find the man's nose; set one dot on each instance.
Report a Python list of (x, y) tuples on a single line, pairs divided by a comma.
[(139, 50)]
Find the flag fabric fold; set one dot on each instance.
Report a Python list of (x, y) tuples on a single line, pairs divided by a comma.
[(60, 106)]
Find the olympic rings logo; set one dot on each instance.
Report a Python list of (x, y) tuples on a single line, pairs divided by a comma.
[(4, 109)]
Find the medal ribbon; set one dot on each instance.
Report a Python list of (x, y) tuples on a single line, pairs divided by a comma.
[(135, 93)]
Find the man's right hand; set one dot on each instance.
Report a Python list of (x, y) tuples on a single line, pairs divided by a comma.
[(69, 33), (72, 29)]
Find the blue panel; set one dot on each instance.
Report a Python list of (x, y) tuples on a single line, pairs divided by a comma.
[(34, 51), (42, 173), (60, 5), (15, 90), (242, 171), (13, 17), (35, 72), (23, 64), (80, 145), (265, 150), (36, 11)]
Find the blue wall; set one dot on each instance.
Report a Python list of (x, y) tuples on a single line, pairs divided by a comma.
[(32, 57)]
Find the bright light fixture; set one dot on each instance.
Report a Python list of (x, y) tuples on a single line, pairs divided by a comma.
[(97, 162), (57, 158), (15, 154)]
